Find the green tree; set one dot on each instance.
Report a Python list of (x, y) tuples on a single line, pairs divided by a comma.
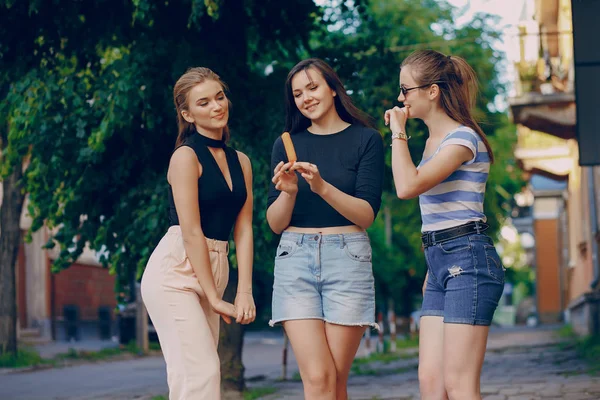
[(87, 110), (366, 42)]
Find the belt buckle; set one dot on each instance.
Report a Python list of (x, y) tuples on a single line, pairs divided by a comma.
[(426, 239)]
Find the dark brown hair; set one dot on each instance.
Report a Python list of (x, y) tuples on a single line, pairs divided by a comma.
[(457, 82), (183, 86), (295, 121)]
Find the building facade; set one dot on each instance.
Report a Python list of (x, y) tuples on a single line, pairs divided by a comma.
[(563, 195)]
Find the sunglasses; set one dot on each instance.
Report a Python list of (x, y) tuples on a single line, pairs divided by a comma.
[(405, 90)]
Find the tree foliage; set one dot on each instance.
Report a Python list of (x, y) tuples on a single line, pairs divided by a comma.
[(86, 92), (366, 43), (89, 103)]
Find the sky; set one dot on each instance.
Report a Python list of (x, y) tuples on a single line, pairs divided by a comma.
[(509, 12)]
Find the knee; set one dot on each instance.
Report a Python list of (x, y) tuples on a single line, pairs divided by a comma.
[(320, 380), (341, 379), (205, 376), (341, 385), (457, 388), (431, 384)]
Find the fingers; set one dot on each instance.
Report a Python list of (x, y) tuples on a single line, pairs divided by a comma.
[(307, 175), (246, 315), (386, 117), (251, 317), (230, 312), (282, 166), (281, 169), (240, 315), (307, 170), (278, 167), (304, 167), (406, 111)]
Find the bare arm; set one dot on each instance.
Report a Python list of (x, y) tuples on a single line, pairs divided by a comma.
[(244, 247), (279, 214), (357, 211), (361, 207), (183, 176), (410, 181)]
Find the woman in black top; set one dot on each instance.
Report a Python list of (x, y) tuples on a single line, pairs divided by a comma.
[(184, 281), (324, 288)]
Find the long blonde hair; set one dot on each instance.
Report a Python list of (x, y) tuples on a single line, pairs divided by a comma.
[(183, 86)]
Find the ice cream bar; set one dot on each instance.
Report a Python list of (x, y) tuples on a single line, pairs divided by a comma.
[(289, 147)]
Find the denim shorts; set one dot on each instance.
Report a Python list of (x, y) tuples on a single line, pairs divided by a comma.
[(326, 277), (466, 280)]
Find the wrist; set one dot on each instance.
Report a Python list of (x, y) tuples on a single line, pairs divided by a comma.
[(244, 288), (397, 130), (323, 190), (292, 193), (213, 298), (400, 135)]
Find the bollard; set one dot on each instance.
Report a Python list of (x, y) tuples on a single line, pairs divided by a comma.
[(285, 353), (392, 323), (141, 319), (368, 349), (380, 346)]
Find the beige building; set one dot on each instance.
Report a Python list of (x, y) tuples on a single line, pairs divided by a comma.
[(43, 298), (566, 195)]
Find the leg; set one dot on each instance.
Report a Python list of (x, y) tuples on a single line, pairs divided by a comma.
[(348, 290), (471, 298), (343, 343), (431, 346), (464, 350), (317, 368), (431, 340), (193, 368)]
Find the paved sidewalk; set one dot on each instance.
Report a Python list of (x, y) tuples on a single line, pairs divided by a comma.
[(521, 364)]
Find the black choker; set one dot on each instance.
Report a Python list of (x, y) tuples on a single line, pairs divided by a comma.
[(210, 142)]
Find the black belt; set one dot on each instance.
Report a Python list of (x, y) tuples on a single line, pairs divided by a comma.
[(434, 237)]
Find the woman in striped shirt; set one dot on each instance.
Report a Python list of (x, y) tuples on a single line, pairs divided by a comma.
[(465, 276)]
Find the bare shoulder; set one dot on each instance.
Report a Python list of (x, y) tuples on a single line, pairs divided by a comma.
[(244, 160), (183, 155), (183, 162)]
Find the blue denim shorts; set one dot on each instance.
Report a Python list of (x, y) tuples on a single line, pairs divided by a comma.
[(326, 277), (466, 280)]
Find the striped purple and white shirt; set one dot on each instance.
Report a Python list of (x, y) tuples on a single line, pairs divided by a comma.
[(459, 198)]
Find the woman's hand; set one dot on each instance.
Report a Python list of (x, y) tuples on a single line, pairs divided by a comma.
[(285, 179), (396, 119), (224, 309), (246, 310), (310, 172)]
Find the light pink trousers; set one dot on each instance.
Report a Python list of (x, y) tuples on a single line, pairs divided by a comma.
[(187, 328)]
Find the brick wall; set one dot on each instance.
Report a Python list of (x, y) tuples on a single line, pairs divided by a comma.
[(87, 286)]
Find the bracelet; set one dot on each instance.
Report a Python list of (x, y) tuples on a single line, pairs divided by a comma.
[(246, 292), (401, 136)]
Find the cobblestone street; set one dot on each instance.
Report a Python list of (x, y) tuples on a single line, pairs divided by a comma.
[(521, 364), (525, 365)]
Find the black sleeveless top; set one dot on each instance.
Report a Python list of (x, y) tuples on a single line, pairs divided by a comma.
[(219, 206)]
